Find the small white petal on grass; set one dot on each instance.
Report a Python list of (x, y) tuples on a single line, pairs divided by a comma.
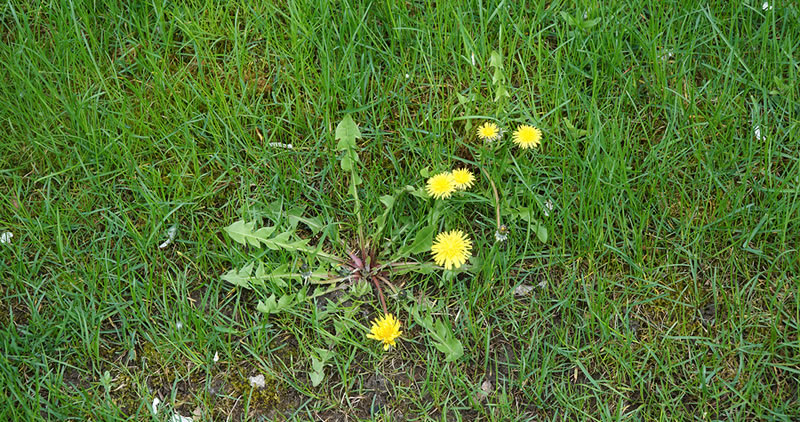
[(170, 236), (179, 325), (548, 206), (473, 59), (175, 417), (281, 145), (216, 357), (483, 393), (523, 290), (407, 76), (766, 6), (6, 237), (258, 381), (757, 132)]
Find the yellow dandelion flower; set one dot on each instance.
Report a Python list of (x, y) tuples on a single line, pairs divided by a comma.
[(385, 330), (441, 186), (489, 132), (463, 179), (451, 249), (527, 137)]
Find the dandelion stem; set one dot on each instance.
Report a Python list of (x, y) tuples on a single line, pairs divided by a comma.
[(380, 294), (496, 196), (385, 280)]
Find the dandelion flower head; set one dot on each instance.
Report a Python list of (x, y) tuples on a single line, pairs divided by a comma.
[(501, 234), (441, 185), (463, 179), (527, 137), (451, 249), (489, 132), (385, 330)]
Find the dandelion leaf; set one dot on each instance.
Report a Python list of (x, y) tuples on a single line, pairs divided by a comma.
[(285, 301), (324, 354), (569, 19), (541, 233), (420, 193), (316, 377), (346, 133), (243, 233), (239, 278), (301, 294), (590, 23), (446, 342), (422, 268), (294, 215), (278, 276), (347, 162), (263, 233), (273, 305), (260, 276), (313, 223), (441, 334), (349, 158), (501, 92), (316, 364), (496, 60), (275, 210), (387, 200), (422, 241), (283, 241), (465, 99), (425, 321), (268, 307)]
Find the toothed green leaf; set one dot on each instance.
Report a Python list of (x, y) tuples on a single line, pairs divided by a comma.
[(346, 133), (273, 306), (313, 223), (316, 377), (243, 233), (496, 60), (239, 278), (278, 276)]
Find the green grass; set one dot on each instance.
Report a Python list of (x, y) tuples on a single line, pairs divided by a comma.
[(670, 277)]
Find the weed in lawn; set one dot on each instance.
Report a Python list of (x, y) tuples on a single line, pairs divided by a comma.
[(122, 120)]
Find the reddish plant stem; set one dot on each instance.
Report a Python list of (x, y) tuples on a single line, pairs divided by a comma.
[(380, 294), (388, 283)]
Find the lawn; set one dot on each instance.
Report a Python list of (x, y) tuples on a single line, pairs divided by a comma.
[(667, 181)]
